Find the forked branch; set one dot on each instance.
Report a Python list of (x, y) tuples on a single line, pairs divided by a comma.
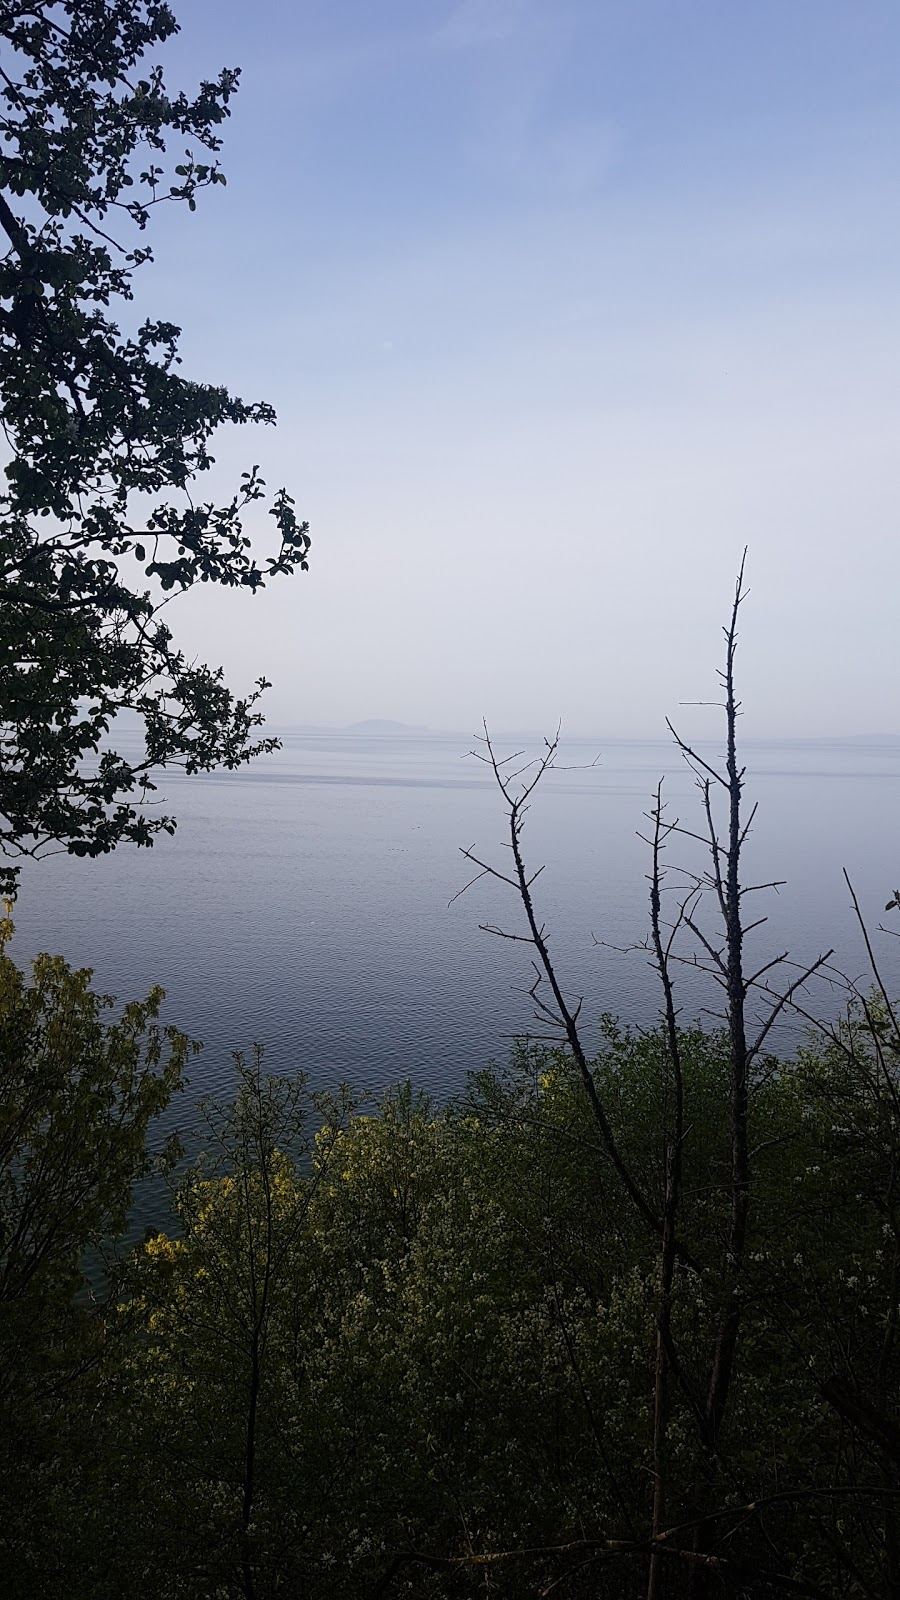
[(517, 785)]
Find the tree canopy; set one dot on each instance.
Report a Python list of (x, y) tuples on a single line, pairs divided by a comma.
[(100, 520), (411, 1353)]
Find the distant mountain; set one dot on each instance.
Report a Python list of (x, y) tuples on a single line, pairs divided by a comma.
[(383, 725)]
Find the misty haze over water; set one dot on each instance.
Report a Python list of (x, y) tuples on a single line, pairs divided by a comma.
[(304, 902)]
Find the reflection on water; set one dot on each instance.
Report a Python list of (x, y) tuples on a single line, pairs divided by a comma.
[(304, 902)]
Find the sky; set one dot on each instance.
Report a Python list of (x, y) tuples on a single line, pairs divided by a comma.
[(560, 303)]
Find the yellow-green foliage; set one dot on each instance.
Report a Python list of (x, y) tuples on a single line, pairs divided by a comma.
[(432, 1328)]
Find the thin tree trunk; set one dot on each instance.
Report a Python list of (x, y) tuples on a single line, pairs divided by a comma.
[(247, 1577), (672, 1195), (739, 1204)]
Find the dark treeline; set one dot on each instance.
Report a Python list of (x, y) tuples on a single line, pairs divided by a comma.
[(413, 1352)]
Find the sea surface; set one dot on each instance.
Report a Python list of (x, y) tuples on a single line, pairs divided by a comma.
[(310, 903)]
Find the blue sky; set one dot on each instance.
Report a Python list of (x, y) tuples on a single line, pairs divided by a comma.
[(559, 305)]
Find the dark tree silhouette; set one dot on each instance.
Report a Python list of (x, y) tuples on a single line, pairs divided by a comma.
[(100, 524)]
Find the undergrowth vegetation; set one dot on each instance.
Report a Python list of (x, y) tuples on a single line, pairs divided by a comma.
[(410, 1351)]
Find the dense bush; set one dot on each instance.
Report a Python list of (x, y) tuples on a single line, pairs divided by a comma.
[(411, 1352)]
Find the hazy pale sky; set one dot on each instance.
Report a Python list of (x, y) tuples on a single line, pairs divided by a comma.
[(560, 304)]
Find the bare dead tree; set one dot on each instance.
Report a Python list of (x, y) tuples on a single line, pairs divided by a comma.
[(662, 941), (517, 784), (723, 959), (517, 779), (719, 953)]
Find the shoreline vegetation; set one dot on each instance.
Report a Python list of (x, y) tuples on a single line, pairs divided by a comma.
[(411, 1351), (619, 1322)]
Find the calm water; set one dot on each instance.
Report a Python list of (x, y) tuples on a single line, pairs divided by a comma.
[(303, 903)]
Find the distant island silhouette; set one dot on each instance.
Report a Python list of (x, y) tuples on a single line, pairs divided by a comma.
[(383, 725)]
